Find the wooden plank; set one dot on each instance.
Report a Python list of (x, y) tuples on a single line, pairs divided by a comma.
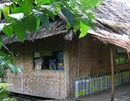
[(66, 67), (112, 74)]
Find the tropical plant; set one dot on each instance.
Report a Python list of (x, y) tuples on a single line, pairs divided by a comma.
[(4, 93)]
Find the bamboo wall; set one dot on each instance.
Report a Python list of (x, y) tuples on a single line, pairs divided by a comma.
[(90, 57), (44, 83)]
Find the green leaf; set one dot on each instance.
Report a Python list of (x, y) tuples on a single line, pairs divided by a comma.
[(6, 56), (19, 30), (4, 93), (83, 29), (13, 68), (91, 3), (6, 12), (9, 99), (69, 15), (42, 17), (1, 26), (2, 85), (17, 16), (50, 13), (8, 31), (26, 6), (0, 14), (30, 23), (1, 42), (46, 1)]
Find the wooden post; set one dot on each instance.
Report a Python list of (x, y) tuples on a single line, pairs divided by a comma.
[(112, 74), (66, 67)]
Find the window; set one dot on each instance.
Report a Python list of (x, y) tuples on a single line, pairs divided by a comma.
[(48, 60), (121, 56)]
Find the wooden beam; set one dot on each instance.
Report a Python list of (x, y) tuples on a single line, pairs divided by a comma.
[(112, 73)]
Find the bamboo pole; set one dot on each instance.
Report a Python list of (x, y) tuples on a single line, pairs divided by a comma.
[(112, 74)]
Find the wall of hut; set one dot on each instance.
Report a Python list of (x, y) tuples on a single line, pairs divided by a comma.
[(90, 57), (43, 83)]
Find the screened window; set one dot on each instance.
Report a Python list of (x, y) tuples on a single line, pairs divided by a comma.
[(49, 60), (121, 56)]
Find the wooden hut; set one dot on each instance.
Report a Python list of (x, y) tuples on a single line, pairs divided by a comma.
[(64, 60)]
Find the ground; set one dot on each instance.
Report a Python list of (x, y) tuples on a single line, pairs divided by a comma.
[(122, 93)]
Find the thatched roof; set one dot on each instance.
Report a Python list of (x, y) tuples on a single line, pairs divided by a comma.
[(56, 27), (113, 25)]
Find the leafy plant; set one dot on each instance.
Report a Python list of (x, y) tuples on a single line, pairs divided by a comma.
[(4, 93), (78, 14)]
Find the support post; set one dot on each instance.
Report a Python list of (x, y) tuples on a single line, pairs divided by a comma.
[(66, 67), (112, 74)]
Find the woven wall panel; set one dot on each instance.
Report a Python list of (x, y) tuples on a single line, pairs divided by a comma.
[(44, 83), (48, 84)]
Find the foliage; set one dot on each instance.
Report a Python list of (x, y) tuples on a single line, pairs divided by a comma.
[(4, 93), (25, 15)]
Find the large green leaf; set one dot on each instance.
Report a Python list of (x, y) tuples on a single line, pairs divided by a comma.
[(25, 6), (69, 15), (83, 29), (19, 30), (17, 16), (8, 31), (42, 17), (30, 23)]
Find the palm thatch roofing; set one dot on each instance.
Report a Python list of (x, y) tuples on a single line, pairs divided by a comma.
[(112, 25)]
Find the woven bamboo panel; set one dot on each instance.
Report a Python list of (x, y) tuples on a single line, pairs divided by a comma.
[(44, 83), (88, 57), (48, 84), (94, 57)]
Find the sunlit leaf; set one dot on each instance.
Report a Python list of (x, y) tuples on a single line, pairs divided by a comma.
[(2, 85), (2, 6), (83, 30), (1, 26), (8, 3), (91, 3), (6, 12), (17, 16), (69, 15), (0, 14)]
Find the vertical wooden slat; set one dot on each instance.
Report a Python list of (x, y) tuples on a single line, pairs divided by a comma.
[(112, 74)]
